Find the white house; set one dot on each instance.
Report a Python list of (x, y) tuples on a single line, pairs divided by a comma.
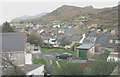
[(114, 56), (52, 41), (83, 37)]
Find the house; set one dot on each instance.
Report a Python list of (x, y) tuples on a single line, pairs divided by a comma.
[(90, 39), (114, 40), (114, 56), (52, 41), (32, 48), (86, 51), (14, 51), (71, 31), (83, 37)]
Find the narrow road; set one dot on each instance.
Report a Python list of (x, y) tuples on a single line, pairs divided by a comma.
[(51, 55)]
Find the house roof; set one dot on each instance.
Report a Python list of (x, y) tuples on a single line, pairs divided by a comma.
[(13, 42), (30, 67), (90, 39), (85, 46), (75, 38), (71, 31), (23, 69)]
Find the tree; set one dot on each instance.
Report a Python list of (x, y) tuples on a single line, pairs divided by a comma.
[(15, 69), (102, 67), (7, 28), (70, 69), (35, 40)]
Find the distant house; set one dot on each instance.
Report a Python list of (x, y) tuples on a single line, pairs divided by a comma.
[(69, 41), (33, 48), (114, 56), (114, 40), (14, 50), (52, 41), (82, 39), (90, 39), (71, 31), (86, 51)]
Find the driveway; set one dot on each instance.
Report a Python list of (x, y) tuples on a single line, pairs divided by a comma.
[(51, 55)]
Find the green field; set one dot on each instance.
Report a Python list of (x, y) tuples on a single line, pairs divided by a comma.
[(39, 61)]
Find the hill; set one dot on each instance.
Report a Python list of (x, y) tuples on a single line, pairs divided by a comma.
[(106, 16)]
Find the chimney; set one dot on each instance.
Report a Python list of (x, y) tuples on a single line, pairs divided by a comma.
[(28, 58), (83, 37)]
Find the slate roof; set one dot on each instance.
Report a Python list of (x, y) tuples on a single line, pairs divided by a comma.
[(24, 69), (90, 39), (30, 67), (103, 40), (75, 38), (13, 42), (68, 39), (71, 31), (85, 46)]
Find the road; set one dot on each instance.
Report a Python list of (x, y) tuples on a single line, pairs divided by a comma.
[(51, 55)]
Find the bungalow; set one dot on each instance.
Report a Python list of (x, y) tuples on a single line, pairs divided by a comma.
[(86, 51), (14, 53)]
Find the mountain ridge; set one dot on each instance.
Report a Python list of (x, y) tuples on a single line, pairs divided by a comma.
[(71, 13)]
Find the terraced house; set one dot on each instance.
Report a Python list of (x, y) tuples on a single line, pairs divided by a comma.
[(16, 60)]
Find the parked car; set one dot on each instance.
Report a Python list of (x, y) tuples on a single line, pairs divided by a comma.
[(64, 56)]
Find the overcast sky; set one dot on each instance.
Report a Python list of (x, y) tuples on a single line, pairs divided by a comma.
[(11, 9)]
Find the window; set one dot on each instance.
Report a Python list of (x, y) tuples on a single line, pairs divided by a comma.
[(12, 56), (117, 41), (53, 40), (111, 41)]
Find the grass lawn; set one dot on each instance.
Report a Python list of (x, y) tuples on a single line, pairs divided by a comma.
[(44, 50), (39, 61), (54, 64)]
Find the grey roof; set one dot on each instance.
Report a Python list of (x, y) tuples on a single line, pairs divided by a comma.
[(68, 39), (93, 33), (103, 39), (71, 31), (75, 38), (23, 69), (90, 39), (30, 67), (85, 46), (13, 42)]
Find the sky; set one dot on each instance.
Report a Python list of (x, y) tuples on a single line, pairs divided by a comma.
[(10, 9)]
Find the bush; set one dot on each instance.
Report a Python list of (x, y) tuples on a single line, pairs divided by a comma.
[(70, 69), (102, 67)]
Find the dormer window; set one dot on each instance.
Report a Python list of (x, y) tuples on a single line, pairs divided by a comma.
[(111, 41), (12, 56)]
